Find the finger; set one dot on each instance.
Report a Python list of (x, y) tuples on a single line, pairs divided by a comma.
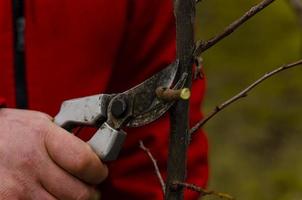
[(15, 186), (41, 193), (62, 185), (75, 156)]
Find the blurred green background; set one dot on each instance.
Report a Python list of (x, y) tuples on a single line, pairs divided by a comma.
[(255, 144)]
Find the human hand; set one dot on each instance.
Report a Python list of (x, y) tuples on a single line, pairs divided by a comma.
[(39, 160)]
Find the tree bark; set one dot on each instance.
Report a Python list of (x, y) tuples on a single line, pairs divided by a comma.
[(184, 11)]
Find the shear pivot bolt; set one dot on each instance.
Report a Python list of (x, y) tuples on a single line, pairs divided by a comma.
[(118, 108)]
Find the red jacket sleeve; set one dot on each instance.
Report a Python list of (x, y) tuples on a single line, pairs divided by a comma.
[(148, 46), (2, 102)]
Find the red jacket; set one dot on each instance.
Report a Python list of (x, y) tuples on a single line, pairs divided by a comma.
[(80, 48)]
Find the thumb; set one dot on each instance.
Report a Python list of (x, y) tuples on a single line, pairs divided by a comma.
[(74, 155)]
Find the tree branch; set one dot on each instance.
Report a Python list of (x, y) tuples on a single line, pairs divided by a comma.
[(203, 46), (242, 94), (179, 138), (159, 176), (202, 191)]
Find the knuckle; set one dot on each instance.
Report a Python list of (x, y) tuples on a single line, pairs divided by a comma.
[(42, 116), (40, 125)]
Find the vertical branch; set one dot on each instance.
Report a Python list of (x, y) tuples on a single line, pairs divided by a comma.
[(184, 11)]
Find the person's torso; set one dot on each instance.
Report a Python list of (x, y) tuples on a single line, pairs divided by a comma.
[(79, 48)]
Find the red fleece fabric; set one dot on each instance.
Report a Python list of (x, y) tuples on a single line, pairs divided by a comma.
[(2, 102), (81, 48)]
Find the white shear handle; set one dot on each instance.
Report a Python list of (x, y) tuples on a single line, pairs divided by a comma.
[(107, 142)]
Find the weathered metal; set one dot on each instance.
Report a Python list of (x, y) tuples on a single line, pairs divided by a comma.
[(110, 112)]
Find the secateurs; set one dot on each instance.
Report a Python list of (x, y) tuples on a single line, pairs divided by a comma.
[(110, 112)]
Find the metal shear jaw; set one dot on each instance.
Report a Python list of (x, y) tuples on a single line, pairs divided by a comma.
[(110, 112), (92, 111)]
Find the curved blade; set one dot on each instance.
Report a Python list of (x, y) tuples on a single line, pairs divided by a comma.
[(157, 109), (146, 107)]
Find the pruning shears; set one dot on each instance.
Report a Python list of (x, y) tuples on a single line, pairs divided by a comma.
[(135, 107)]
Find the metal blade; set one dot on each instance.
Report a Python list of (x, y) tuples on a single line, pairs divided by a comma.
[(146, 107), (157, 109)]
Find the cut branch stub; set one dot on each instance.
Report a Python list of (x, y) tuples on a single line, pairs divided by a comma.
[(168, 94)]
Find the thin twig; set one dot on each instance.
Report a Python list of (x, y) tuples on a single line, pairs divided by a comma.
[(243, 93), (203, 46), (204, 192), (159, 176)]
